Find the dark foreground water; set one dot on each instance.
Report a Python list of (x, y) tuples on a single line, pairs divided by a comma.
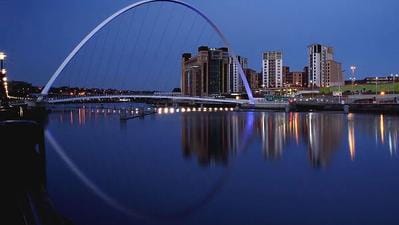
[(224, 168)]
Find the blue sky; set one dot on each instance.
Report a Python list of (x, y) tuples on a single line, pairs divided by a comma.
[(37, 35)]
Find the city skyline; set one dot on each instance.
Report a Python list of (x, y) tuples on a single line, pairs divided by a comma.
[(29, 31)]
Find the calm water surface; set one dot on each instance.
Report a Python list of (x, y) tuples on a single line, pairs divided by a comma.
[(223, 167)]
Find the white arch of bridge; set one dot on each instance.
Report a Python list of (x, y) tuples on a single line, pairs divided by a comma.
[(130, 7)]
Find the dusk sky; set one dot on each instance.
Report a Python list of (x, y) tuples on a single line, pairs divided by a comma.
[(38, 35)]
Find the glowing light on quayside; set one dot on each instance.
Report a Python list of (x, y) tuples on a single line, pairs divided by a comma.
[(172, 110), (177, 110), (166, 110), (188, 110), (194, 109), (183, 110), (205, 109), (159, 111), (231, 109)]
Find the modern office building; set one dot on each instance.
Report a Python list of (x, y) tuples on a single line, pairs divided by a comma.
[(205, 74), (272, 69), (235, 81)]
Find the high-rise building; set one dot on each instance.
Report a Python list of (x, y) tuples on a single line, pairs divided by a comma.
[(192, 76), (272, 69), (206, 73), (235, 81), (319, 55)]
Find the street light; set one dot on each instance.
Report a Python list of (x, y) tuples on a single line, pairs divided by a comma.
[(2, 56)]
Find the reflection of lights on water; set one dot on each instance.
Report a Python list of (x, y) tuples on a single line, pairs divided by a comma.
[(311, 129), (71, 117), (82, 116), (390, 143), (382, 128), (351, 136), (295, 125)]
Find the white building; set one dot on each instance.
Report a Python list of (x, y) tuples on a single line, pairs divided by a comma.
[(318, 58), (272, 69), (235, 82)]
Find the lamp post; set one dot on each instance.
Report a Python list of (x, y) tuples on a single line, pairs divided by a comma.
[(3, 72)]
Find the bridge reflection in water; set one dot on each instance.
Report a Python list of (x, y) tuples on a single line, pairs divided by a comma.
[(216, 137)]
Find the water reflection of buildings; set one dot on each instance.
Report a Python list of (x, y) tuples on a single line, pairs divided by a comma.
[(273, 134), (351, 136), (324, 135), (212, 137), (384, 129)]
